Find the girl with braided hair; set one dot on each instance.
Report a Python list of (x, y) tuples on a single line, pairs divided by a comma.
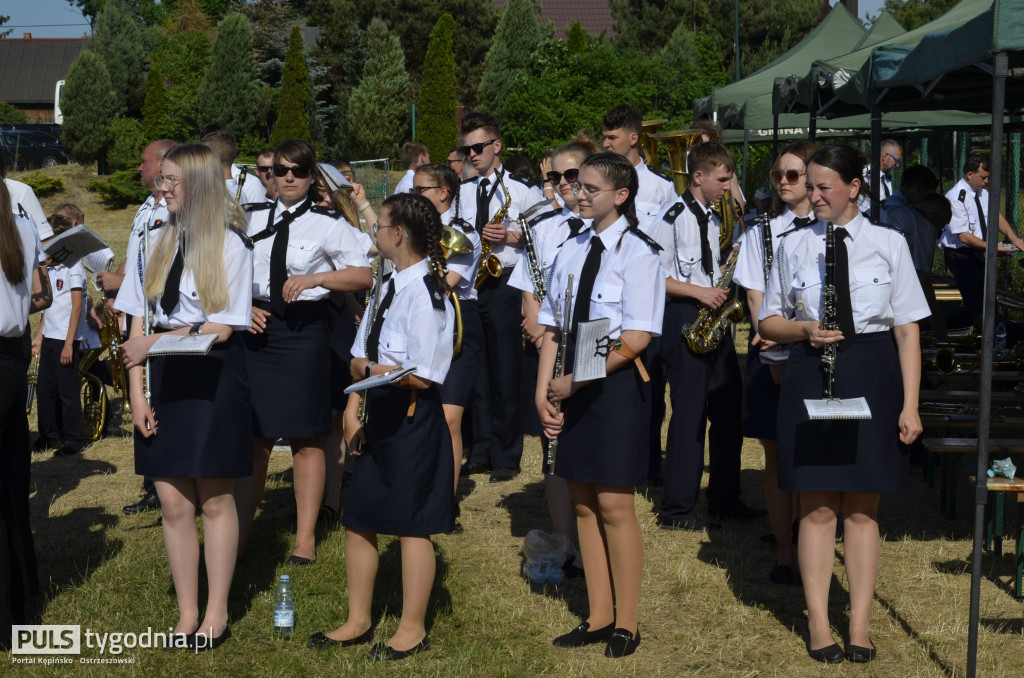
[(402, 473)]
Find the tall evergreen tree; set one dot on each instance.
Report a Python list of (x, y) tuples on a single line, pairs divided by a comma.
[(437, 105), (378, 108), (89, 104), (576, 38), (229, 95), (119, 40), (518, 33), (293, 100), (156, 122), (182, 53)]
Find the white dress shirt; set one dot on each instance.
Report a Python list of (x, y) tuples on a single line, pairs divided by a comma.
[(965, 215), (15, 300), (415, 333), (749, 272), (654, 194), (629, 288), (22, 195), (58, 316), (548, 234), (405, 183), (466, 265), (252, 190), (884, 189), (523, 196), (884, 288), (156, 215), (680, 245)]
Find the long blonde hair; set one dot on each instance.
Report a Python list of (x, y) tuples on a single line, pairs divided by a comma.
[(207, 211)]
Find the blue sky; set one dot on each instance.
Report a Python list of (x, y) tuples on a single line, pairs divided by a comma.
[(39, 17)]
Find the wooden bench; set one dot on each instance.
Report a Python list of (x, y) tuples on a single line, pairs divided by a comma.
[(956, 447), (999, 488), (970, 397)]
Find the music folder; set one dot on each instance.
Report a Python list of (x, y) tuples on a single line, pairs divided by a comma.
[(592, 347), (837, 408), (392, 377)]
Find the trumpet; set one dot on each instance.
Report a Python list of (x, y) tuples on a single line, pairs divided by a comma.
[(490, 265), (563, 345)]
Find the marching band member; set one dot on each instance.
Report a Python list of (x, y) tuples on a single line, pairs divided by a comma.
[(621, 132), (762, 393), (603, 427), (198, 280), (300, 253), (843, 466), (402, 475)]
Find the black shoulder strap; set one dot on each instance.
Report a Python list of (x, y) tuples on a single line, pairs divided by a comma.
[(673, 212), (257, 206), (658, 173), (541, 217), (963, 195), (246, 240), (646, 238), (434, 289), (463, 224), (21, 212), (327, 211)]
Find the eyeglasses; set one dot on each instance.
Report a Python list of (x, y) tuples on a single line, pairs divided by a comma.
[(791, 176), (420, 190), (476, 148), (570, 175), (167, 183), (264, 169), (589, 194), (298, 171), (377, 227), (894, 158)]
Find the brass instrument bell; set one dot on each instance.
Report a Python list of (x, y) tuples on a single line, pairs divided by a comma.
[(677, 143), (650, 146)]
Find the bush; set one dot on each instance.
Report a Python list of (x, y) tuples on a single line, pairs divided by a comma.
[(126, 144), (43, 185), (11, 115), (120, 189)]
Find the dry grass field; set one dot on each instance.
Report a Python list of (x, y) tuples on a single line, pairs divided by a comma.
[(707, 607)]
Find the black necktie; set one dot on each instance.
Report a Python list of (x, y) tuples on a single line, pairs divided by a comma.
[(372, 341), (981, 217), (279, 258), (801, 222), (885, 186), (706, 258), (575, 226), (169, 299), (483, 204), (591, 265), (844, 307)]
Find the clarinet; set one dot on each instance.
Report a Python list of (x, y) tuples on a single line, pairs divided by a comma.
[(540, 288), (767, 256), (829, 316), (370, 313), (563, 345)]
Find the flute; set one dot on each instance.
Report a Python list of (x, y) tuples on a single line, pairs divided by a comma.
[(563, 344)]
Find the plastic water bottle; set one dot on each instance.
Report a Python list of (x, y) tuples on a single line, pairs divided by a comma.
[(1000, 346), (284, 608)]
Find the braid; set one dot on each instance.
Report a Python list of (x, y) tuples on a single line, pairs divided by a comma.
[(435, 253), (422, 224)]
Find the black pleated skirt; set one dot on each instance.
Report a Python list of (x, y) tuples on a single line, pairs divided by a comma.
[(851, 455), (761, 404), (201, 404), (605, 434), (342, 330), (403, 483), (289, 369), (457, 388)]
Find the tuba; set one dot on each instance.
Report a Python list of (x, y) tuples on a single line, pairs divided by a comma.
[(454, 241), (490, 265), (110, 338), (677, 143), (94, 396), (705, 333), (650, 146)]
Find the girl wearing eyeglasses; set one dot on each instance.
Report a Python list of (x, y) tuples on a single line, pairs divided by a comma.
[(301, 252), (193, 436), (793, 211), (603, 427), (402, 475)]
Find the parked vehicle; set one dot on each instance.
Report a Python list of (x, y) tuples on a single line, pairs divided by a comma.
[(30, 149)]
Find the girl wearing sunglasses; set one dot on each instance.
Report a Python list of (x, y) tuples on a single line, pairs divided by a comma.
[(301, 252), (793, 211)]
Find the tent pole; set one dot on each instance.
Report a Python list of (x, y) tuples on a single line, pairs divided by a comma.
[(1012, 201), (746, 149), (775, 135), (988, 326), (813, 123), (876, 153)]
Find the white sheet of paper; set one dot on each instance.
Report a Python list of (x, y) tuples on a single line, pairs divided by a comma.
[(183, 344), (592, 348), (380, 380), (837, 408), (69, 247)]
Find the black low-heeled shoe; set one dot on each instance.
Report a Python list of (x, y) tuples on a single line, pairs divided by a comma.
[(831, 654), (387, 653), (319, 640), (860, 655), (208, 643), (582, 635), (299, 561), (622, 643)]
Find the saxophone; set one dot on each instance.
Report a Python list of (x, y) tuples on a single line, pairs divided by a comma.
[(705, 333), (490, 265), (563, 344)]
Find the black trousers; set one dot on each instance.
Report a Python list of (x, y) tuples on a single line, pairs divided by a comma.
[(58, 395), (968, 267), (18, 572), (499, 440), (703, 388)]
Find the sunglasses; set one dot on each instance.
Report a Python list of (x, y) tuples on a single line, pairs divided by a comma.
[(264, 169), (791, 176), (894, 158), (476, 148), (570, 175), (298, 171)]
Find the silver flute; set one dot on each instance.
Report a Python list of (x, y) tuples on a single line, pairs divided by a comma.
[(563, 344)]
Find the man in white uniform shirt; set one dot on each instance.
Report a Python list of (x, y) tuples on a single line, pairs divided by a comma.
[(892, 155), (24, 201), (497, 436), (965, 237), (414, 154), (621, 131)]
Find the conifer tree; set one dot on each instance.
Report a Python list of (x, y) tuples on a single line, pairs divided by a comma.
[(89, 104), (293, 99), (378, 107), (156, 121), (576, 38), (438, 104), (518, 32), (230, 93), (121, 43)]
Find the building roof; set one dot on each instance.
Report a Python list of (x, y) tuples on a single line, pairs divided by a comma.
[(32, 67), (594, 15)]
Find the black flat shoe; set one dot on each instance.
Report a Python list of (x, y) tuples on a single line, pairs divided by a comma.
[(471, 468), (387, 653), (622, 643), (832, 654), (860, 655), (503, 474), (582, 635), (300, 561), (457, 528), (319, 640), (197, 646), (149, 502)]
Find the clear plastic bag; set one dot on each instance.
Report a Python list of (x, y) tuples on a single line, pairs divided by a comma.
[(545, 554)]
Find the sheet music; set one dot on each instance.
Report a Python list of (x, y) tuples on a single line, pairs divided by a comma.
[(838, 408), (70, 247), (592, 347), (97, 262), (391, 377), (183, 344)]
